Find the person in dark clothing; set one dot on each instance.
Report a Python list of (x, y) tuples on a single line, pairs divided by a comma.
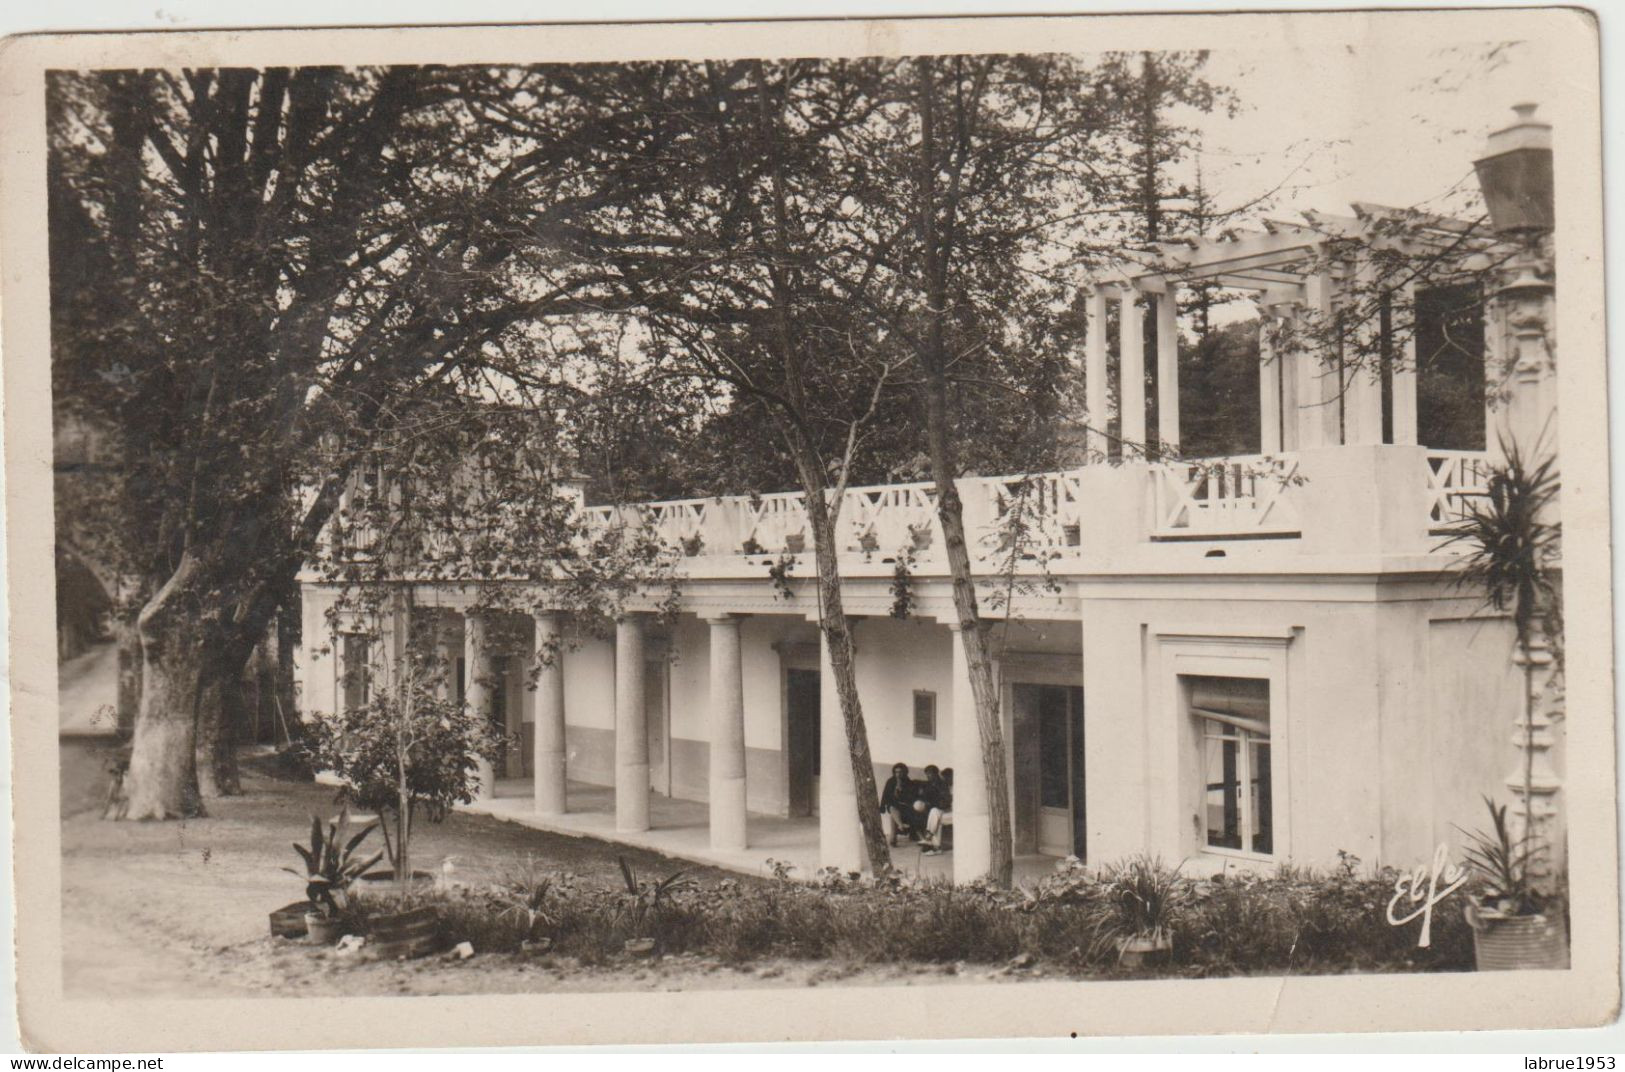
[(897, 805), (939, 796)]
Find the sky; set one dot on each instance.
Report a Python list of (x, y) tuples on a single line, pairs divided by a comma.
[(1396, 124)]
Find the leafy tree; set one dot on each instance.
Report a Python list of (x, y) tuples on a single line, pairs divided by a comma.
[(410, 752), (997, 174), (294, 258)]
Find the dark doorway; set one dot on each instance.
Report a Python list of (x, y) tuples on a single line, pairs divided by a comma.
[(1049, 779), (803, 694)]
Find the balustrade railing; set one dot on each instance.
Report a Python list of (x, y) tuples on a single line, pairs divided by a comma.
[(1033, 515), (1034, 512), (1241, 496), (1454, 478)]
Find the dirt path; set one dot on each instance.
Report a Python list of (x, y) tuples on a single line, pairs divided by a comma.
[(179, 909)]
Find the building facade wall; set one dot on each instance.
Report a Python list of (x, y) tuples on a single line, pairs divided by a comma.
[(1369, 681)]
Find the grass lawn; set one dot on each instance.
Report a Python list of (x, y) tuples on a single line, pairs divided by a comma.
[(179, 908)]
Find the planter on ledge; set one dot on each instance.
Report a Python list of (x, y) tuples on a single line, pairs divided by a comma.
[(289, 920), (1518, 943)]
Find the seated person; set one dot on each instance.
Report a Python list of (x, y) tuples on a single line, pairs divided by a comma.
[(897, 801), (938, 795)]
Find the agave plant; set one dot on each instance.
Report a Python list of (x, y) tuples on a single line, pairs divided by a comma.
[(332, 863), (1502, 866)]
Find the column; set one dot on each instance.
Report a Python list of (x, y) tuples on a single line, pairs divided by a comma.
[(727, 726), (1269, 389), (631, 728), (1291, 372), (513, 712), (1318, 423), (1168, 370), (840, 841), (1404, 397), (972, 855), (1362, 383), (1094, 373), (1130, 378), (477, 692), (547, 747)]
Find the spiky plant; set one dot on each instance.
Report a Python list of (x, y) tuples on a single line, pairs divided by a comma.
[(1511, 543), (1512, 546), (1502, 866)]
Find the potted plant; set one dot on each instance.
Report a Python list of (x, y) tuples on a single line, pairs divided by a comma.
[(528, 896), (643, 903), (332, 864), (1144, 893), (1514, 925), (1512, 552)]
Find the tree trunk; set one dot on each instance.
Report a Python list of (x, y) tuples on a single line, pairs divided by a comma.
[(989, 726), (837, 627), (127, 636), (161, 782), (220, 703)]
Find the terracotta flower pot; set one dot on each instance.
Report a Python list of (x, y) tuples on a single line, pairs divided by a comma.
[(412, 933), (1142, 949), (321, 930), (1518, 943)]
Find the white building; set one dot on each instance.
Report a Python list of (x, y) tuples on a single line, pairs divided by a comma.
[(1245, 661)]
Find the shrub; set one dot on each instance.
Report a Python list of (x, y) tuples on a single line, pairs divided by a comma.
[(407, 753), (1291, 921)]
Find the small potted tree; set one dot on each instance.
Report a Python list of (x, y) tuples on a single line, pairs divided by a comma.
[(409, 753)]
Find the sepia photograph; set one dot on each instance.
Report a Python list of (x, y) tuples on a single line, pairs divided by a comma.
[(809, 531)]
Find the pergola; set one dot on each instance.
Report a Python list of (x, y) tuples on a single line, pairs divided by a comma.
[(1306, 401)]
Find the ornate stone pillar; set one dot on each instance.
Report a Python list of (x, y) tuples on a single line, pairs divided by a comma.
[(631, 728), (548, 743), (1534, 734), (727, 729)]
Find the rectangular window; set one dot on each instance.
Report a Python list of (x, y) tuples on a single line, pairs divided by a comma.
[(355, 673), (925, 714), (1233, 718)]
